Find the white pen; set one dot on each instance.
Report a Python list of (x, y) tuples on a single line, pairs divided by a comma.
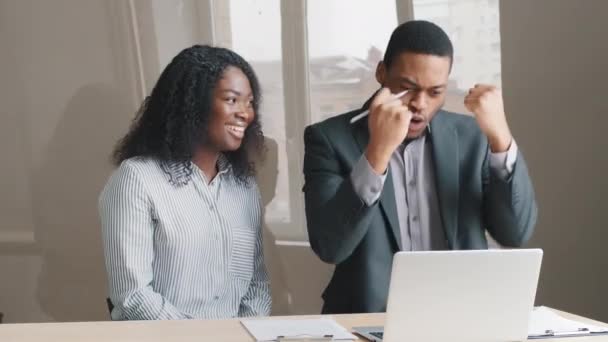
[(366, 112)]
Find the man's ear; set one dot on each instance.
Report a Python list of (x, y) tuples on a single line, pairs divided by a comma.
[(381, 73)]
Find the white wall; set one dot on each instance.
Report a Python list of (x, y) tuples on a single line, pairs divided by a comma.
[(555, 67), (65, 98)]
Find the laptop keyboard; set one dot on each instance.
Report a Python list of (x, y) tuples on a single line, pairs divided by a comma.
[(377, 334)]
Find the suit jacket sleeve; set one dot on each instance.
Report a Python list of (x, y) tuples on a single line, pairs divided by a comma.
[(337, 218), (509, 205)]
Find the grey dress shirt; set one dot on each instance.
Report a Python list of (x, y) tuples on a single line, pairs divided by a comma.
[(413, 171)]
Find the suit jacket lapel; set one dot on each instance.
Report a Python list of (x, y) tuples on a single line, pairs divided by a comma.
[(444, 139), (387, 198)]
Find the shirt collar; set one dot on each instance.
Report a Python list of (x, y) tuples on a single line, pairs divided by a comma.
[(179, 173), (223, 164)]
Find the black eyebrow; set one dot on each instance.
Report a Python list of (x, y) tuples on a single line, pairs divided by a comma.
[(235, 92), (415, 85)]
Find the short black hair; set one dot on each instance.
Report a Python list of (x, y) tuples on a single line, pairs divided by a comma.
[(418, 36), (173, 121)]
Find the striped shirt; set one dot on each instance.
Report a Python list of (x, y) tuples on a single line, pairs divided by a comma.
[(178, 247)]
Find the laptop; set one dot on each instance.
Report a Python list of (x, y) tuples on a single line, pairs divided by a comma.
[(480, 295)]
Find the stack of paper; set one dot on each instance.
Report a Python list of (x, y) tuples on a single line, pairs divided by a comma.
[(273, 330), (545, 323)]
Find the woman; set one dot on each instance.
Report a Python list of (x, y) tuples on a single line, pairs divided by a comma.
[(181, 215)]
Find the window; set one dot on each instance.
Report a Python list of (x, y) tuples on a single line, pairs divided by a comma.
[(344, 48), (317, 58), (474, 27), (255, 33)]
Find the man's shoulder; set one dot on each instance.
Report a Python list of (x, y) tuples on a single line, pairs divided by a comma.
[(464, 124), (456, 119), (339, 126), (471, 141), (336, 130), (337, 123)]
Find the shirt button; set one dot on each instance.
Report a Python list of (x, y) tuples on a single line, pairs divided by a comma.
[(216, 297), (412, 183), (415, 218)]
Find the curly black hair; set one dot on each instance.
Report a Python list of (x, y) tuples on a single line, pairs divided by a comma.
[(173, 121)]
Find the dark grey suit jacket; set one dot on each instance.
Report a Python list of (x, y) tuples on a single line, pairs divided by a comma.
[(361, 240)]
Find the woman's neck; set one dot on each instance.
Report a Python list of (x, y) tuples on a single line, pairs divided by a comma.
[(206, 160)]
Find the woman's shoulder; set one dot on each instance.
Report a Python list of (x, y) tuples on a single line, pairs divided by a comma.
[(140, 167), (136, 170), (137, 163)]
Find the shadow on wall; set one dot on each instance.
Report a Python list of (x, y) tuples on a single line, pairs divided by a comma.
[(297, 275), (72, 283), (266, 176)]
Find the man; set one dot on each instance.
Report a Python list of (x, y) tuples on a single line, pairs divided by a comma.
[(411, 176)]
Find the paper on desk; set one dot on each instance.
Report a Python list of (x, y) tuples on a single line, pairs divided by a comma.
[(269, 329), (543, 319)]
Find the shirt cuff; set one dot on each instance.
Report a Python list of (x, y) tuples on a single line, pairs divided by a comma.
[(366, 182), (503, 163)]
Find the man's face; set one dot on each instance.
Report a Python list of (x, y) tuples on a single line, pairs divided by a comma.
[(425, 77)]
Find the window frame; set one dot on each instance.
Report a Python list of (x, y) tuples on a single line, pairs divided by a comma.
[(297, 92)]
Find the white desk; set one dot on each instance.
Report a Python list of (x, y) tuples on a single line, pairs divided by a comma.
[(187, 330)]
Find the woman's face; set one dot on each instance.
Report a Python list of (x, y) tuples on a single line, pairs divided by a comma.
[(231, 111)]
